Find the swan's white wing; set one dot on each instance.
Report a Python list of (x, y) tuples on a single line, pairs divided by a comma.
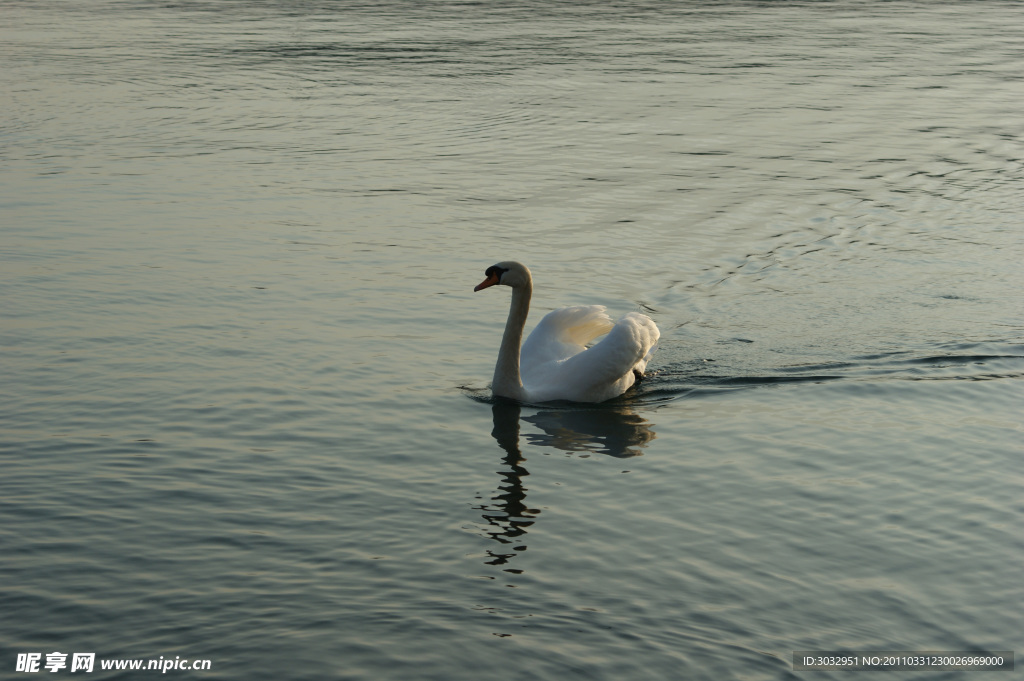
[(561, 334), (601, 372)]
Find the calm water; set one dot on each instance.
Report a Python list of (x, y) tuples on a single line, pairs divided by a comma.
[(244, 413)]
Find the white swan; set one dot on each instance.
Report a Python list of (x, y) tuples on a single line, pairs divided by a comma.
[(554, 362)]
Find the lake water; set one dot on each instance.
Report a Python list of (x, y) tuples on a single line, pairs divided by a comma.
[(245, 415)]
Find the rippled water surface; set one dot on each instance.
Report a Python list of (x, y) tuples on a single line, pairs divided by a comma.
[(245, 415)]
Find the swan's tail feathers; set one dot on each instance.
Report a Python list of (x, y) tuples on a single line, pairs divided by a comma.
[(646, 334), (642, 364)]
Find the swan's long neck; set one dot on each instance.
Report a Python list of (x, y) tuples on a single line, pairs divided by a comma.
[(507, 380)]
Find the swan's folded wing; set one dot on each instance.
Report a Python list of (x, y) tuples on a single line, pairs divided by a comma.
[(563, 333), (606, 369)]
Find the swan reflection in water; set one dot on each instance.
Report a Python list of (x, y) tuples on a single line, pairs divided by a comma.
[(617, 432)]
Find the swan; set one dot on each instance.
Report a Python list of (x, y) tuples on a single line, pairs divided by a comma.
[(554, 362)]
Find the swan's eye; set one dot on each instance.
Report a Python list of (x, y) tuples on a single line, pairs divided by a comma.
[(495, 271)]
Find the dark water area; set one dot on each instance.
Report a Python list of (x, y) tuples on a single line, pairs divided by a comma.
[(245, 414)]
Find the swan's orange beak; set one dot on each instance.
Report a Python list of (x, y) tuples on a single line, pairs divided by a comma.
[(489, 281)]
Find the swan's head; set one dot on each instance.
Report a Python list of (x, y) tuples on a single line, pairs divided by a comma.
[(508, 273)]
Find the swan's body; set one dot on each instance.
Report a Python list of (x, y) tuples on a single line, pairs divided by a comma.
[(554, 363)]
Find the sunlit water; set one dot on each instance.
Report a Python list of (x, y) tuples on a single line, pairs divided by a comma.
[(244, 413)]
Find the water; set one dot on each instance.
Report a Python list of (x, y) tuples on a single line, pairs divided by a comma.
[(245, 416)]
